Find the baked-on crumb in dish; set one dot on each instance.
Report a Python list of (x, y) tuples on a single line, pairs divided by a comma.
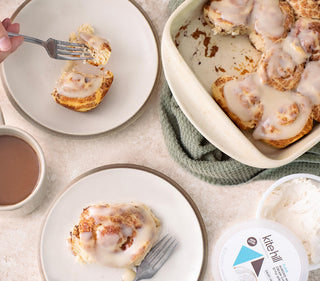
[(280, 99), (115, 235), (83, 85)]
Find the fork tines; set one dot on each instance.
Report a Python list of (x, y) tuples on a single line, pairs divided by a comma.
[(75, 51), (161, 252)]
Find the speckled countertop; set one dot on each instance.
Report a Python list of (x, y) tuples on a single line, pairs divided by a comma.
[(219, 206)]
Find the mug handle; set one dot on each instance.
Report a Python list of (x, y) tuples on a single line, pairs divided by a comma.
[(1, 118)]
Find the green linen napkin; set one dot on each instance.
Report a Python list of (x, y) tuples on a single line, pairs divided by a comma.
[(195, 154)]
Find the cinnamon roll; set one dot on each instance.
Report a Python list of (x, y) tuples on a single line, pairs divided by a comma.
[(308, 33), (240, 100), (287, 117), (228, 16), (278, 118), (282, 69), (306, 8), (309, 86), (82, 87), (264, 32), (98, 47), (115, 235)]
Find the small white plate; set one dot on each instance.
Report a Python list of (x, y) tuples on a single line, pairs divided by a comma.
[(30, 74), (125, 183)]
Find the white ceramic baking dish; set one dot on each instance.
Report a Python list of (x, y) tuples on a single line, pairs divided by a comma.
[(189, 77)]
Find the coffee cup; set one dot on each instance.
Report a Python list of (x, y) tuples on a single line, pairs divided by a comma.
[(22, 170)]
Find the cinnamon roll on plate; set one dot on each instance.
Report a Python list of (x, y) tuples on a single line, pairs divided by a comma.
[(228, 16), (82, 87), (115, 235), (98, 47)]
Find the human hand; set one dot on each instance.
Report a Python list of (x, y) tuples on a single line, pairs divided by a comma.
[(8, 45)]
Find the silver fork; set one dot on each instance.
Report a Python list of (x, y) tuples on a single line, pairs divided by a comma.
[(60, 50), (155, 259)]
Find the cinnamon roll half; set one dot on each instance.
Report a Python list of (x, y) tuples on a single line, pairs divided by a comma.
[(82, 87), (98, 47)]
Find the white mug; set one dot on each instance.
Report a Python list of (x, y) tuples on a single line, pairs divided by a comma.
[(33, 200)]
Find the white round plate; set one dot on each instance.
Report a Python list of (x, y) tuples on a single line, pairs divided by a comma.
[(125, 183), (30, 74)]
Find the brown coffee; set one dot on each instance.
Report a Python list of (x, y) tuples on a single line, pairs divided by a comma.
[(19, 170)]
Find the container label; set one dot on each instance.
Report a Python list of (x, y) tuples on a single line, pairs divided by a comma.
[(259, 254)]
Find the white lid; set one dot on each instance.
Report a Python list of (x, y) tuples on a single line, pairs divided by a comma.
[(259, 250)]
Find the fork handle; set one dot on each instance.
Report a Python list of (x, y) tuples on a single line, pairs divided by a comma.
[(26, 38)]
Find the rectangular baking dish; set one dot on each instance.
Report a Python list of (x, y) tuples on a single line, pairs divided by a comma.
[(190, 70)]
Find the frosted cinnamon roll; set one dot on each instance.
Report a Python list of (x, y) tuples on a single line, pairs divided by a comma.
[(264, 32), (306, 8), (281, 66), (278, 118), (228, 16), (98, 47), (309, 86), (240, 100), (308, 33), (286, 118), (82, 87), (115, 235)]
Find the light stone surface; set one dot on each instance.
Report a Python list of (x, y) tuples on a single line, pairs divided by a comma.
[(68, 157)]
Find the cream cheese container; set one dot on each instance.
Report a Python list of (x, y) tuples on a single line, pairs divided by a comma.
[(293, 201), (281, 244), (259, 250)]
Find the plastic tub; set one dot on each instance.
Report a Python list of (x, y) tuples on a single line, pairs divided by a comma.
[(259, 214), (259, 250)]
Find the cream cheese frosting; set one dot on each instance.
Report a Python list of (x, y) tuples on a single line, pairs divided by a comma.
[(295, 204)]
